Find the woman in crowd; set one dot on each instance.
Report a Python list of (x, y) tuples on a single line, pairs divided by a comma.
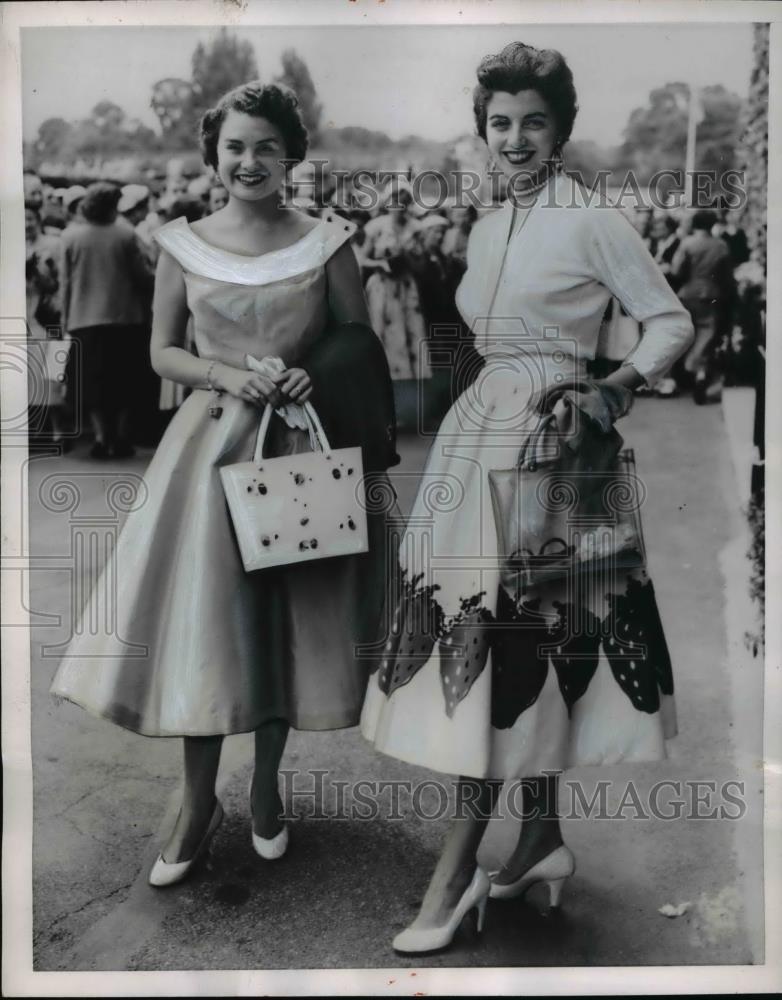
[(105, 287), (434, 278), (48, 351), (71, 199), (665, 232), (392, 297), (498, 688), (462, 219), (230, 651)]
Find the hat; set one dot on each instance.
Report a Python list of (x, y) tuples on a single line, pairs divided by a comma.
[(132, 195), (434, 220), (72, 194)]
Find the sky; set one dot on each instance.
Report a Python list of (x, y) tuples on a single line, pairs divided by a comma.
[(399, 80)]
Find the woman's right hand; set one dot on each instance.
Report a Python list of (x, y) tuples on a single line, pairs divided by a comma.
[(251, 387)]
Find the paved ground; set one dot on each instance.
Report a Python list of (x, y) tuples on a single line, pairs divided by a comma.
[(104, 797)]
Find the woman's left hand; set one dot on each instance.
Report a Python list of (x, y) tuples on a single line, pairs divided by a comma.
[(294, 385)]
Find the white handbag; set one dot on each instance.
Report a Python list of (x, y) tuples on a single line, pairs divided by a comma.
[(295, 508)]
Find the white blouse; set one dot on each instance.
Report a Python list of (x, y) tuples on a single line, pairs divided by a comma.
[(550, 283)]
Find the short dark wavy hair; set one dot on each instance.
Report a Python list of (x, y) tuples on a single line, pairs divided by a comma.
[(522, 67), (273, 101)]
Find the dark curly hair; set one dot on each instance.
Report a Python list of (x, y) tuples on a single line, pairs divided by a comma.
[(522, 67), (99, 204), (273, 101)]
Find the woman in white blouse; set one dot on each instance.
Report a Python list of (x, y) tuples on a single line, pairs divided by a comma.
[(470, 683)]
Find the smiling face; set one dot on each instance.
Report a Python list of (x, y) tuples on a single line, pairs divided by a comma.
[(249, 150), (521, 133)]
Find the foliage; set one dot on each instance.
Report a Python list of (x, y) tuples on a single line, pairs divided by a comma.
[(52, 136), (217, 68), (754, 148), (586, 158), (226, 63), (754, 160), (756, 516), (296, 75), (358, 137), (174, 106), (656, 135), (718, 134), (105, 132)]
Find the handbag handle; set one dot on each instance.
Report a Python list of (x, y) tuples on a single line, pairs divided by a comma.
[(529, 448), (548, 397), (314, 426)]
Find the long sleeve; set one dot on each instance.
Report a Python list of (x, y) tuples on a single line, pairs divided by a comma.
[(621, 262)]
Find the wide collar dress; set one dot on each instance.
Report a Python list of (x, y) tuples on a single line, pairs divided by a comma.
[(191, 644)]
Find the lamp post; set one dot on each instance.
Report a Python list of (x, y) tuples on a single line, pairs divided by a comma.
[(694, 115)]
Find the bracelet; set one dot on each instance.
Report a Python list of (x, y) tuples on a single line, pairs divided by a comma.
[(209, 383), (215, 409)]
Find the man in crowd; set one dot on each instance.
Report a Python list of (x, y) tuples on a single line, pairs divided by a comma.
[(703, 267)]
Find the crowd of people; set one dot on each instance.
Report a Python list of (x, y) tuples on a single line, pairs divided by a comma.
[(90, 265), (705, 257)]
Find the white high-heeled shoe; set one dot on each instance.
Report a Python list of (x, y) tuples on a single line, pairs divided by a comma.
[(165, 873), (555, 869), (269, 848), (415, 941)]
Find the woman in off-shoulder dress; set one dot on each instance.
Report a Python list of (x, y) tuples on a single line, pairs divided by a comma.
[(473, 682), (201, 648)]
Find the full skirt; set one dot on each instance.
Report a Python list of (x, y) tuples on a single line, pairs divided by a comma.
[(199, 647), (471, 681)]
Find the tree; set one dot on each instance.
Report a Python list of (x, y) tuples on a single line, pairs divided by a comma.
[(52, 140), (174, 106), (216, 68), (226, 63), (718, 135), (107, 117), (656, 136), (754, 147), (108, 132), (586, 158), (296, 75), (359, 137)]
